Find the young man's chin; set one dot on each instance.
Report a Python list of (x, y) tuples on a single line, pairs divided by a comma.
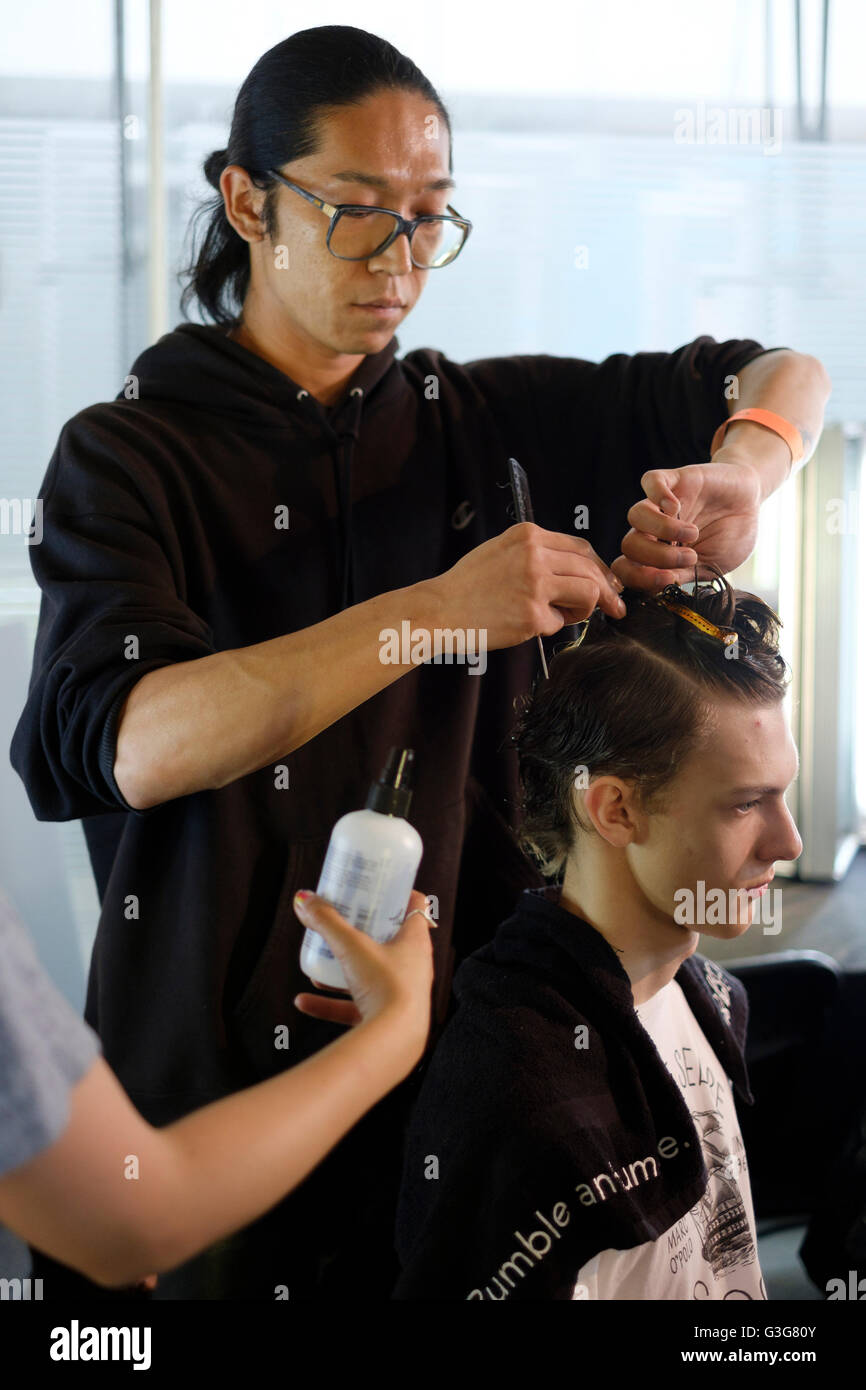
[(741, 916), (364, 344), (727, 931)]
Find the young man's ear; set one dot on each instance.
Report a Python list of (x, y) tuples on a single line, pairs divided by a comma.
[(611, 805), (243, 202)]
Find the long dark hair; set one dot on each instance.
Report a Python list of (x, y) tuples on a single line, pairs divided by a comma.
[(630, 700), (275, 121)]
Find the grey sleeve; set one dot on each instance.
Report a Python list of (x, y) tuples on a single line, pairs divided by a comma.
[(45, 1048)]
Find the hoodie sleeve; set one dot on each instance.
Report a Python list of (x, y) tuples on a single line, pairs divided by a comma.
[(588, 431), (113, 607), (667, 405)]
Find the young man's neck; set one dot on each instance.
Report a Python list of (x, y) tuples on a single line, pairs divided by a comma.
[(321, 373), (650, 947)]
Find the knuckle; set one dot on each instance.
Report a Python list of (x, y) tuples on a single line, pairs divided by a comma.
[(533, 568), (538, 616)]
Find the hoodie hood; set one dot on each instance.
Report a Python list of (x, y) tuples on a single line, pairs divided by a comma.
[(198, 366)]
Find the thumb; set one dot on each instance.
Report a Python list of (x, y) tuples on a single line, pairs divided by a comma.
[(659, 485), (318, 914)]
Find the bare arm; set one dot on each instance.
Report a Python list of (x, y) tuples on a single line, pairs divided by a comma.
[(793, 385), (718, 506), (198, 725), (224, 1165)]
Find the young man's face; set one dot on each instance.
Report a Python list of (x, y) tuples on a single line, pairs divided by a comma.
[(726, 822), (385, 152)]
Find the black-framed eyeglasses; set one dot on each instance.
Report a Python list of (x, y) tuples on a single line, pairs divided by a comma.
[(358, 231)]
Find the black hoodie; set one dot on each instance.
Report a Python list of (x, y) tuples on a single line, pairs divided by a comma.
[(158, 516), (519, 1120)]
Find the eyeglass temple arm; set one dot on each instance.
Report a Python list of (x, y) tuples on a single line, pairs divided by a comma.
[(327, 208)]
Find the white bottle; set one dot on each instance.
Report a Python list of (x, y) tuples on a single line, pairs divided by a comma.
[(370, 867)]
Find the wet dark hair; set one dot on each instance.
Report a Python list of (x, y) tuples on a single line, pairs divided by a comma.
[(630, 699), (276, 120)]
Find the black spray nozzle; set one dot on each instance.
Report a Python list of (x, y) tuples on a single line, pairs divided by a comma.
[(392, 794)]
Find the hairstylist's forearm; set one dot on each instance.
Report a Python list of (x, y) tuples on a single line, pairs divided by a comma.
[(199, 725), (791, 384)]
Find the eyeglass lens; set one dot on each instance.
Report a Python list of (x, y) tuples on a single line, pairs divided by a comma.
[(359, 234)]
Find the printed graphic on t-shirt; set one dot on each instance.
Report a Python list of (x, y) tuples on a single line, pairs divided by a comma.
[(711, 1252), (720, 1215)]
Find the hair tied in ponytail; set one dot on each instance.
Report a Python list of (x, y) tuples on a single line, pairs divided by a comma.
[(214, 165)]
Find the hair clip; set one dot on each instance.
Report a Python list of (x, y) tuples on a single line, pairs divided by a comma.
[(703, 624)]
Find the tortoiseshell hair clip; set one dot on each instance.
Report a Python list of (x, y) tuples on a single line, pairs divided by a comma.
[(727, 635)]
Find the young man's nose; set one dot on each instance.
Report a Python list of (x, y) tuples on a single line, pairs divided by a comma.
[(782, 841), (396, 258)]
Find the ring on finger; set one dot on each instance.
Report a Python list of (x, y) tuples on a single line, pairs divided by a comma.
[(424, 913)]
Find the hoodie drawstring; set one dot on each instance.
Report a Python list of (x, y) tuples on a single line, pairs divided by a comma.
[(347, 434)]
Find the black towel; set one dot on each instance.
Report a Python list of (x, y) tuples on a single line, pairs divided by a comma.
[(548, 1128)]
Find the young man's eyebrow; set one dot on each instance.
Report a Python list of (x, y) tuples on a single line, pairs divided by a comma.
[(374, 181), (762, 791)]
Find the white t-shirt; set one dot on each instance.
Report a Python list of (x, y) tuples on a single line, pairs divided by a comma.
[(711, 1253)]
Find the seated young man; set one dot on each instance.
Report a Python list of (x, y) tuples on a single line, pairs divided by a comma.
[(576, 1134)]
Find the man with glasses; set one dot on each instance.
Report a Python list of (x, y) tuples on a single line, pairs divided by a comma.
[(228, 552), (357, 232)]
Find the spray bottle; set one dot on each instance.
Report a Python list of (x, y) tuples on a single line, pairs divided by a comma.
[(370, 867)]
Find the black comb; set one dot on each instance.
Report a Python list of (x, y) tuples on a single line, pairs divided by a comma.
[(523, 512)]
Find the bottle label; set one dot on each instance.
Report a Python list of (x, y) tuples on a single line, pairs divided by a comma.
[(317, 945), (372, 894)]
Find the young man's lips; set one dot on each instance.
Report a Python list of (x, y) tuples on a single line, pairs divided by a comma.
[(383, 309), (760, 887)]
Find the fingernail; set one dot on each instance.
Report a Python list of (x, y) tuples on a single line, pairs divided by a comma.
[(302, 895), (620, 606)]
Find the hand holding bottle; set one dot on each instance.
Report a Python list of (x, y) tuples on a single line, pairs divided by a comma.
[(369, 869), (391, 979)]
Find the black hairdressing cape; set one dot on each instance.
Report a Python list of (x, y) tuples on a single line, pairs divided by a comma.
[(551, 1144)]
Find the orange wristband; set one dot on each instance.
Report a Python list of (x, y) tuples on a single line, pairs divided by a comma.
[(773, 422)]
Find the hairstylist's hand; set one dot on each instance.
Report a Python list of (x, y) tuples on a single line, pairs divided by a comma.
[(526, 582), (718, 505), (393, 977)]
